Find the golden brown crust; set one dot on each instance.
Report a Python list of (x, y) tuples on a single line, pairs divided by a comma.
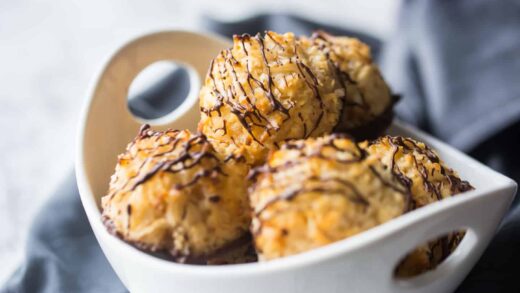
[(429, 180), (170, 192), (316, 191), (271, 88), (367, 94), (418, 167)]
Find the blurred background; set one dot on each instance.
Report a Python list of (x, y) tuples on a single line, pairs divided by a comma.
[(49, 51)]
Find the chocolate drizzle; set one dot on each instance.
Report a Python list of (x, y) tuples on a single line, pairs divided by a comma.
[(357, 155), (402, 145), (313, 85), (374, 125), (186, 153), (275, 104), (346, 188), (325, 43), (153, 152), (324, 185), (239, 72), (248, 115)]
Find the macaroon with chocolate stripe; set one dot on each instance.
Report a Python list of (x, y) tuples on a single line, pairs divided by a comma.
[(428, 180), (172, 194), (270, 88), (317, 191)]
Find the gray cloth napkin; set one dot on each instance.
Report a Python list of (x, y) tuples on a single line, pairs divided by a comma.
[(455, 63), (457, 66)]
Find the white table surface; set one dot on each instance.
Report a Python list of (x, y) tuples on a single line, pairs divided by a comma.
[(49, 50)]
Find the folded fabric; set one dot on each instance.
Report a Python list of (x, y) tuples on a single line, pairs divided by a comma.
[(62, 254), (456, 64), (455, 83)]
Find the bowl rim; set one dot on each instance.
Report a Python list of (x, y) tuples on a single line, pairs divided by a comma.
[(322, 254)]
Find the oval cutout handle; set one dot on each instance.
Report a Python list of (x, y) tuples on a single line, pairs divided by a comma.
[(108, 124), (477, 212)]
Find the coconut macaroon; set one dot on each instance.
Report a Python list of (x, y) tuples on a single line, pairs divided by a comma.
[(268, 89), (429, 180), (171, 193), (368, 105), (418, 167), (316, 191)]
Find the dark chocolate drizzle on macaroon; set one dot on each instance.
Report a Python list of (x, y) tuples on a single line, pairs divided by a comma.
[(446, 244), (187, 151), (248, 115), (409, 146), (323, 185)]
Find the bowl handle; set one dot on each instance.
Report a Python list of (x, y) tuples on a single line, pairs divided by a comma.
[(108, 125), (478, 214), (195, 50)]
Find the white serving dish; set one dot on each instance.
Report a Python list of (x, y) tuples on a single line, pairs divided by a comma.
[(363, 263)]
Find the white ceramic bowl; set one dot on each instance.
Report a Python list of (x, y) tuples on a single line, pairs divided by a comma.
[(363, 263)]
